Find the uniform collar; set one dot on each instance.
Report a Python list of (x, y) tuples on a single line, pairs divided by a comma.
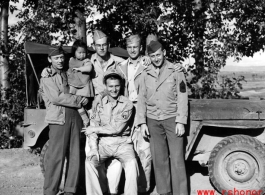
[(55, 71), (95, 57), (137, 61), (166, 66), (105, 100)]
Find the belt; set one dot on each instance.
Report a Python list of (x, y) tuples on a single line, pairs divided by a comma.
[(102, 135)]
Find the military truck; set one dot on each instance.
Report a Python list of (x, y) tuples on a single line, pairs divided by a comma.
[(225, 135)]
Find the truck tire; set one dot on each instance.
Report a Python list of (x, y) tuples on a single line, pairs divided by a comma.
[(237, 163), (43, 159)]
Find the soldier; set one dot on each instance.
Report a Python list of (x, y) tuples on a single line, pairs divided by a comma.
[(65, 124), (132, 69), (162, 110), (102, 60), (113, 125)]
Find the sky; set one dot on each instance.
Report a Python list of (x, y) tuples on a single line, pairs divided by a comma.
[(257, 60), (12, 19)]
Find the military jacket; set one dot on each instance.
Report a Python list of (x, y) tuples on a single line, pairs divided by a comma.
[(164, 96), (98, 72)]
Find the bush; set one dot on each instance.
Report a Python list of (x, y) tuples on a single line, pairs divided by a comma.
[(13, 99)]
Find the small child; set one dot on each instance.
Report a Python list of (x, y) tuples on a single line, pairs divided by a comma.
[(80, 84)]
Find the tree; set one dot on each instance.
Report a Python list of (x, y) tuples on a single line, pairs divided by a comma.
[(48, 21), (41, 21), (4, 52), (208, 30)]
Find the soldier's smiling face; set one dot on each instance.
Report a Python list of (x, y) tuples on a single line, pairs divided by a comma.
[(157, 58), (134, 49), (113, 87)]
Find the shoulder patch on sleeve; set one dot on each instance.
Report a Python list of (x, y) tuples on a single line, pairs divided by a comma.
[(125, 114), (182, 87)]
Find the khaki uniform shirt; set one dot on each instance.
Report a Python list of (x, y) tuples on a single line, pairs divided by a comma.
[(132, 69), (162, 96), (98, 72), (113, 120), (124, 69)]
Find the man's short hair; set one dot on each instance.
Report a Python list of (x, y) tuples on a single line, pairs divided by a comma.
[(112, 77)]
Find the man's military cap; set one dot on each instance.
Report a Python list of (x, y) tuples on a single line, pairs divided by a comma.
[(55, 51), (111, 72), (153, 47), (132, 39), (98, 35), (151, 37)]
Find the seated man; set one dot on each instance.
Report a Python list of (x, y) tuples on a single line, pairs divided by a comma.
[(112, 122)]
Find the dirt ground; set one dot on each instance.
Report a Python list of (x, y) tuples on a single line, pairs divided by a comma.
[(20, 174)]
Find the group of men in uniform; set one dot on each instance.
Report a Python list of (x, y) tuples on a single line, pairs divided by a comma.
[(138, 101)]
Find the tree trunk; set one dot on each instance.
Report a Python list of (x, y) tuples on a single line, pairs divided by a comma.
[(199, 10), (80, 26), (4, 50)]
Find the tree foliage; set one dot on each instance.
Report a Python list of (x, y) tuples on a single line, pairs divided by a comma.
[(40, 21), (210, 31), (12, 106)]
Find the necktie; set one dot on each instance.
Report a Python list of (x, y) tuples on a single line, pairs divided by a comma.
[(65, 83)]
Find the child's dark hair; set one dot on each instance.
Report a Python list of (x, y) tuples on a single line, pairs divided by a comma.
[(78, 43)]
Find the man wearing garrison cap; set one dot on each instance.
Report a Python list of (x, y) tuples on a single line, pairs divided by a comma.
[(149, 38), (132, 69), (65, 124), (103, 61), (112, 122), (162, 111)]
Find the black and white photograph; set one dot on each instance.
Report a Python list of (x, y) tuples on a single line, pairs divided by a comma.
[(132, 97)]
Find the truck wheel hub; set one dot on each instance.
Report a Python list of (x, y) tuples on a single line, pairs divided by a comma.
[(240, 166)]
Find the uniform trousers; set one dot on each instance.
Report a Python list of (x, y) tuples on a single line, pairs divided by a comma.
[(168, 157), (109, 174), (142, 148), (64, 141), (125, 154)]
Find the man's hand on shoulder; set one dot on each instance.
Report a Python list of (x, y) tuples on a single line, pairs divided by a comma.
[(146, 61), (46, 72), (179, 68)]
